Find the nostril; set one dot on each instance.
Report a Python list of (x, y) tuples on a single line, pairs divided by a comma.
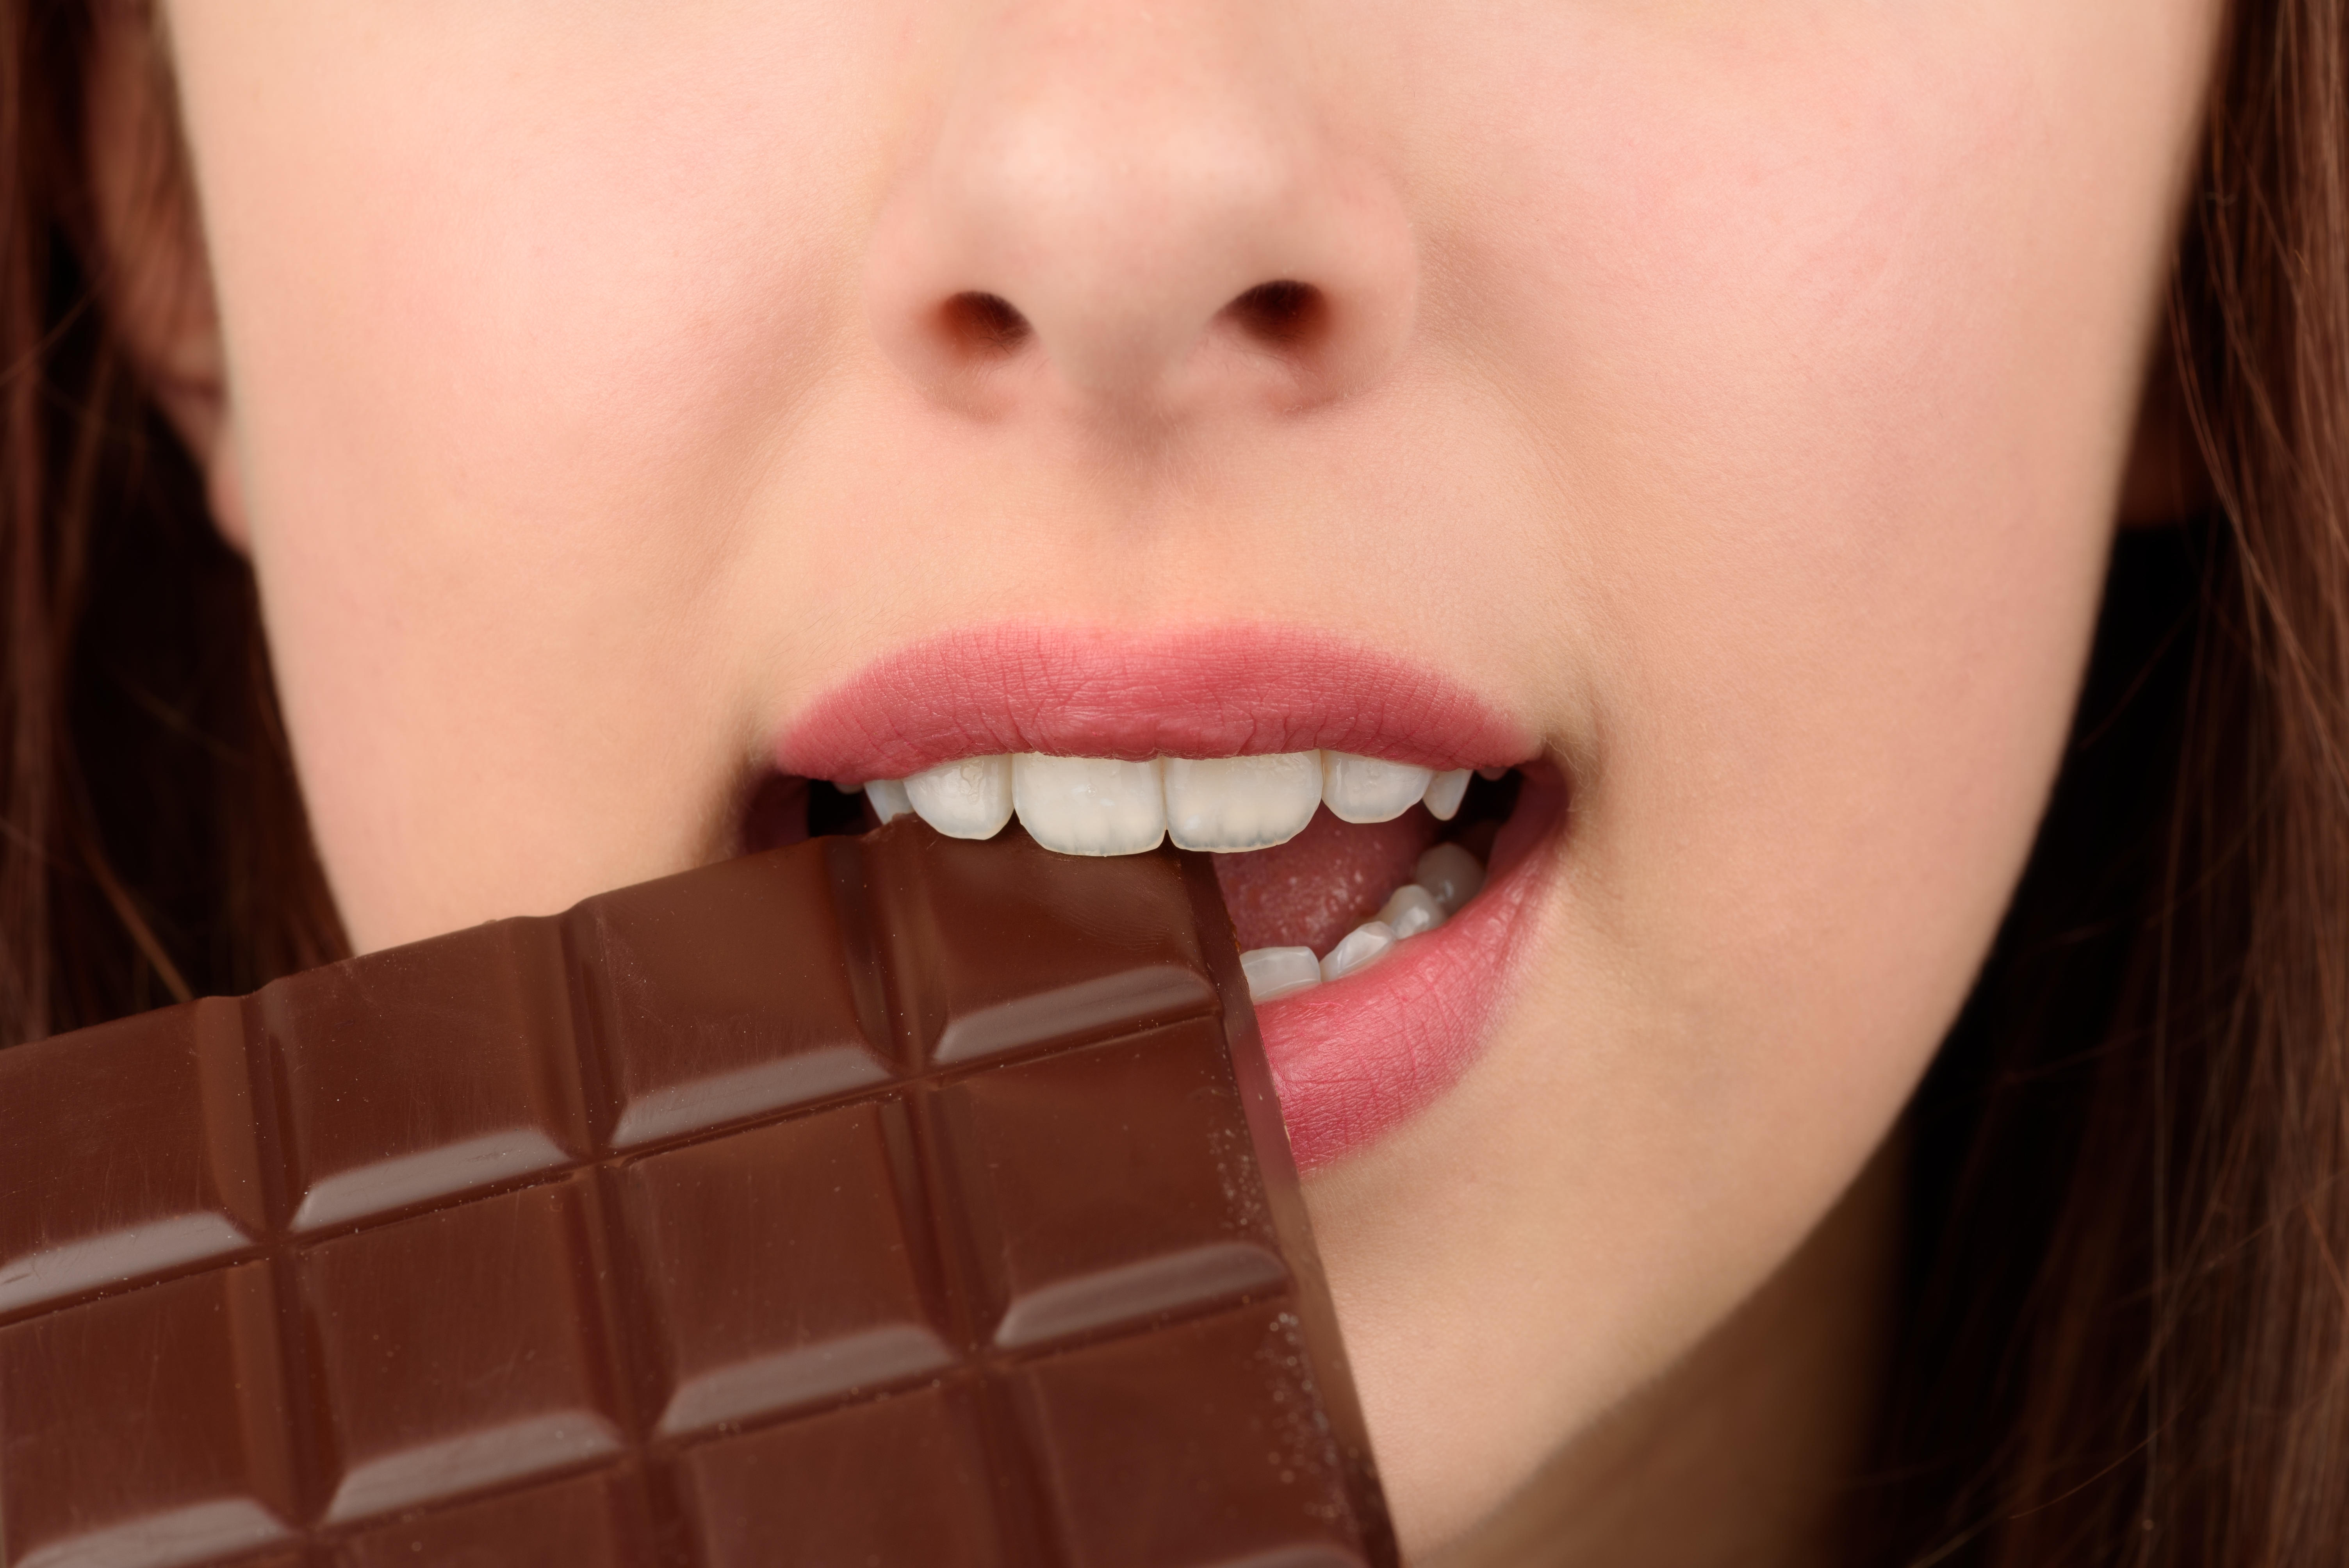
[(1283, 313), (983, 324)]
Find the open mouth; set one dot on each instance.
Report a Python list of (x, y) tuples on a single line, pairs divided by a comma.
[(1376, 894)]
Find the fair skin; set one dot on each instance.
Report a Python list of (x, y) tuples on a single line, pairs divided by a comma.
[(1734, 399)]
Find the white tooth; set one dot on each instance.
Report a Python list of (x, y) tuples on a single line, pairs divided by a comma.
[(1358, 949), (1233, 803), (1451, 874), (1090, 805), (888, 798), (1367, 789), (966, 800), (1411, 909), (1443, 793), (1279, 971)]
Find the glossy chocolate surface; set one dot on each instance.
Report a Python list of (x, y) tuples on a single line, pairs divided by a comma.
[(892, 1200)]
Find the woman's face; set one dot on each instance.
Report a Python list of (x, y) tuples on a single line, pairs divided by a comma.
[(1715, 410)]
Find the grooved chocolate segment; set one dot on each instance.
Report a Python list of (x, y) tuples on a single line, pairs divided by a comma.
[(1068, 955), (1166, 1218), (1203, 1443), (135, 1141), (425, 1072), (801, 1301), (882, 1201), (592, 1521), (461, 1349), (146, 1429), (727, 993), (901, 1479)]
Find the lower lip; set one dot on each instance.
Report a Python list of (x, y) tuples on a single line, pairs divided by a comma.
[(1355, 1058)]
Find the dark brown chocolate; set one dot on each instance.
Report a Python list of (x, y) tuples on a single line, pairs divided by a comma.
[(882, 1201)]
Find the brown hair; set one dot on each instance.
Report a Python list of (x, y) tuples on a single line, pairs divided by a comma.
[(151, 838), (2126, 1338), (2128, 1273)]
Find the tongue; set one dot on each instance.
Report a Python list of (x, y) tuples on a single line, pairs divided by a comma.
[(1312, 889)]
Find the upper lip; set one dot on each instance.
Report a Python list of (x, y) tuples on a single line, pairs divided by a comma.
[(1219, 691)]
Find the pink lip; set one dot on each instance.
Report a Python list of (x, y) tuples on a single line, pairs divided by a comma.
[(1080, 692), (1355, 1058)]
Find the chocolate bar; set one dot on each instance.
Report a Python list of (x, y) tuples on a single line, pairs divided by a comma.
[(892, 1200)]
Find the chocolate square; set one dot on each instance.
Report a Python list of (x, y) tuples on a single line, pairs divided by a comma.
[(131, 1152), (147, 1429), (728, 993), (902, 1480), (1201, 1443), (462, 1348), (778, 1269), (989, 964), (600, 1520), (425, 1071), (1166, 1218)]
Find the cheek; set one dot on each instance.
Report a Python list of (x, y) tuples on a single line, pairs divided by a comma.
[(1834, 350), (476, 287), (502, 375), (1843, 337)]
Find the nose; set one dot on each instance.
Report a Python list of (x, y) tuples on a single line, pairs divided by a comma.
[(1147, 213)]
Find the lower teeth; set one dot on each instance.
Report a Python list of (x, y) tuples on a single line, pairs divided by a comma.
[(1447, 877), (1279, 971), (1358, 949)]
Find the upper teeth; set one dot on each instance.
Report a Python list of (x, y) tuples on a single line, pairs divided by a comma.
[(966, 800), (1089, 805), (1366, 789), (888, 798), (1098, 806), (1444, 793), (1241, 802)]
